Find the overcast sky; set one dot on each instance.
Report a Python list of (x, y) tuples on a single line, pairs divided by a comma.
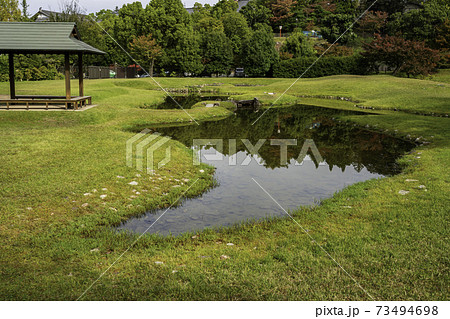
[(97, 5)]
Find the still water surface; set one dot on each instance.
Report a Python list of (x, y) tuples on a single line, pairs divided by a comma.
[(350, 154)]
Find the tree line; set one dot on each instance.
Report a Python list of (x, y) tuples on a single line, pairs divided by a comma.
[(410, 37)]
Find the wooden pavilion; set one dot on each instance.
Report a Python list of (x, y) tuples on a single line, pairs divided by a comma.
[(44, 38)]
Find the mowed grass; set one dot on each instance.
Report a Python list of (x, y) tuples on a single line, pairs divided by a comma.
[(442, 76), (57, 233)]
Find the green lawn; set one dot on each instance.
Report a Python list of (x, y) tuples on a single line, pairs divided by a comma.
[(442, 76), (53, 245)]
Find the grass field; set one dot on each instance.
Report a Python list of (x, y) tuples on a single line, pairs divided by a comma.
[(56, 241)]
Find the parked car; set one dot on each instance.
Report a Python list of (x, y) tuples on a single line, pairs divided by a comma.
[(240, 72)]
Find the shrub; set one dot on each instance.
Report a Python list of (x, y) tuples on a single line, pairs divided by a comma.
[(43, 72), (333, 50), (323, 67), (298, 45)]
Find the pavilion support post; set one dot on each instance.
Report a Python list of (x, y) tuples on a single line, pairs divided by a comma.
[(67, 75), (12, 84), (80, 74)]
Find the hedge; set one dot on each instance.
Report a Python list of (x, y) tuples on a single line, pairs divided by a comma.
[(294, 68)]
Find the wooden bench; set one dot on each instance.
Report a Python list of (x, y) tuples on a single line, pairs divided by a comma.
[(48, 100)]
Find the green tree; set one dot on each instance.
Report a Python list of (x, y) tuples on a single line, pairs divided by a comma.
[(236, 29), (86, 25), (25, 7), (164, 19), (130, 22), (334, 25), (110, 22), (420, 24), (256, 12), (217, 53), (345, 6), (258, 52), (200, 12), (208, 24), (389, 6), (223, 7), (9, 10), (187, 52), (146, 50), (298, 45)]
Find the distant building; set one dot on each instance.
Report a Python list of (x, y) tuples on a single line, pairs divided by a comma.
[(241, 4), (410, 6), (43, 15), (46, 15)]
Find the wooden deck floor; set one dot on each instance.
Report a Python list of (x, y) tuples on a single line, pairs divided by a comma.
[(45, 103)]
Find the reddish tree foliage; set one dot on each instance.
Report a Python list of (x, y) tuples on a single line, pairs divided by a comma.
[(326, 5), (146, 49), (372, 22), (286, 55), (282, 9), (410, 57)]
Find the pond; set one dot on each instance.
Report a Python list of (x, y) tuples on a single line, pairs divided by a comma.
[(332, 155)]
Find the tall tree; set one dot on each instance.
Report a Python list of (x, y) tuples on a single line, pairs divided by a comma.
[(146, 50), (164, 19), (131, 23), (410, 57), (70, 11), (208, 24), (372, 22), (258, 52), (236, 29), (420, 24), (223, 7), (282, 10), (389, 6), (9, 10), (187, 54), (256, 12), (25, 7), (110, 22), (217, 52), (200, 12), (338, 26)]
